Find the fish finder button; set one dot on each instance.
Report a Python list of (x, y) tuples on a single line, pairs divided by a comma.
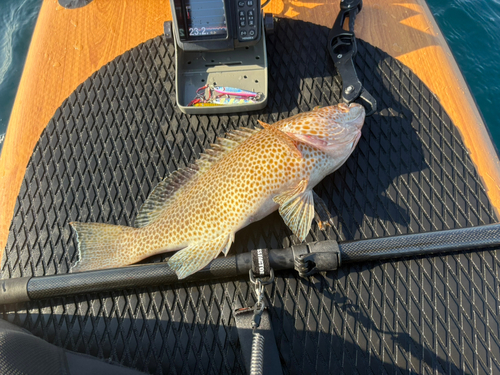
[(247, 25)]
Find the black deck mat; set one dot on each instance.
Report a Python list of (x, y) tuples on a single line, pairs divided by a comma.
[(120, 133)]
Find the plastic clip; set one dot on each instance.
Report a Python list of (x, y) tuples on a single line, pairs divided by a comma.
[(310, 264), (316, 257)]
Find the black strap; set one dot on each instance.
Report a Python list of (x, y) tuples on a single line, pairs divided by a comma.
[(244, 319), (260, 263)]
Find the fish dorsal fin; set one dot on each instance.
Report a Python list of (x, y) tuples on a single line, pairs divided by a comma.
[(283, 138), (223, 146), (163, 195), (168, 190)]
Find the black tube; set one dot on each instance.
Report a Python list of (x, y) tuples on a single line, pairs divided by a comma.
[(137, 276), (480, 237), (26, 289)]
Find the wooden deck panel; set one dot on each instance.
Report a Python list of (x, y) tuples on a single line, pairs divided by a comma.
[(69, 45)]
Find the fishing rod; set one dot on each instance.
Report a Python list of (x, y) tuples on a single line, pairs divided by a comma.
[(307, 259)]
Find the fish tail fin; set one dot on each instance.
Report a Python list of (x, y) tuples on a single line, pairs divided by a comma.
[(194, 257), (101, 246)]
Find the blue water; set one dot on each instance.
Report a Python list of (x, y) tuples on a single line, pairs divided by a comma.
[(471, 27), (17, 22), (472, 30)]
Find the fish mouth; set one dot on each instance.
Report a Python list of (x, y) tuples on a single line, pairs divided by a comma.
[(357, 115)]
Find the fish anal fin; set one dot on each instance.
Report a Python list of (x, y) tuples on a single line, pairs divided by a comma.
[(296, 207), (194, 257), (283, 138)]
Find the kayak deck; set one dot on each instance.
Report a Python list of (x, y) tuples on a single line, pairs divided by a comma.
[(119, 133)]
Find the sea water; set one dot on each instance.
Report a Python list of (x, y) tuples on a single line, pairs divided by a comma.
[(17, 22), (471, 28)]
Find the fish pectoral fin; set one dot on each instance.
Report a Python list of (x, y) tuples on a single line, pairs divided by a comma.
[(230, 240), (194, 257), (297, 209)]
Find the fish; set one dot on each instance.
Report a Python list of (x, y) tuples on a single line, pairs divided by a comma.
[(242, 178)]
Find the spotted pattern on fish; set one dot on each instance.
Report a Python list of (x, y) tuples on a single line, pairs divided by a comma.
[(241, 179)]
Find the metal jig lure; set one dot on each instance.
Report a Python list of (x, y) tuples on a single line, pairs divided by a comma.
[(210, 95)]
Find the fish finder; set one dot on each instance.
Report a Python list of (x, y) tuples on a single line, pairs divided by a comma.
[(220, 53), (216, 25)]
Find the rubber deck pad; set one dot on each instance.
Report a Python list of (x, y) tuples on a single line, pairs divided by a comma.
[(120, 133)]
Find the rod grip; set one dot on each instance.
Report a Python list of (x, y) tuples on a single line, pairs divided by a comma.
[(143, 275)]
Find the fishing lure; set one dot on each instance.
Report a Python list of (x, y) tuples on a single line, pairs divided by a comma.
[(220, 95), (232, 91), (206, 105), (231, 101), (200, 97)]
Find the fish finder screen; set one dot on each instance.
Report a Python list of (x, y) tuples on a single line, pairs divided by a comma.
[(200, 19)]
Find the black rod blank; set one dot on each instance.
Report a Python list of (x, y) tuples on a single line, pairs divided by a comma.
[(473, 238)]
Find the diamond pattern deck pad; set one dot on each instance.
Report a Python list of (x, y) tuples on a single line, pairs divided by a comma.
[(120, 133)]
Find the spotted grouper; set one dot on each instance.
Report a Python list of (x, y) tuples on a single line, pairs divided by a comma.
[(241, 179)]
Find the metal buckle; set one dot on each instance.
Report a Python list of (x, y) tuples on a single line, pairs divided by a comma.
[(259, 307)]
